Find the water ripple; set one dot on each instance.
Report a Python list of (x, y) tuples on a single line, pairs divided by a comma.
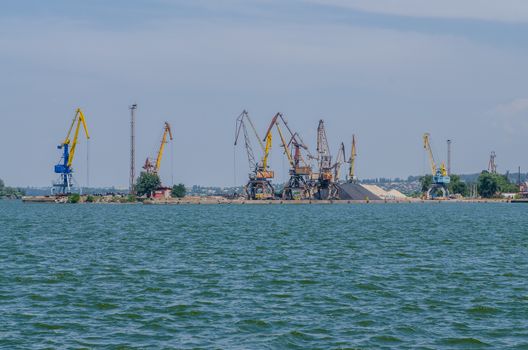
[(404, 276)]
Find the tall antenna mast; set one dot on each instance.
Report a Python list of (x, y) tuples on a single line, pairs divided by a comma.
[(448, 157), (131, 188)]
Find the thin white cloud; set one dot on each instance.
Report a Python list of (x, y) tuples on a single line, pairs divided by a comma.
[(512, 116), (487, 10)]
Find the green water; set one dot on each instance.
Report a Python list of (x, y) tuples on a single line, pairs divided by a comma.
[(406, 276)]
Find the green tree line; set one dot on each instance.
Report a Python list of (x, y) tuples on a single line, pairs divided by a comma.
[(9, 192), (488, 185)]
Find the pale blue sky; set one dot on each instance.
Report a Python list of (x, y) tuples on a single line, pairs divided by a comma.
[(387, 71)]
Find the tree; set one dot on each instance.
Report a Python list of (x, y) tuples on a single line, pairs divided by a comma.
[(9, 192), (457, 186), (147, 183), (505, 186), (487, 185), (178, 191), (426, 182)]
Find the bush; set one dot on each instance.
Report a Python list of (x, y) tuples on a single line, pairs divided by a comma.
[(74, 198), (178, 191), (90, 199)]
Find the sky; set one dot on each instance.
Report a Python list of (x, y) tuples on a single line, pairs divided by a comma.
[(386, 71)]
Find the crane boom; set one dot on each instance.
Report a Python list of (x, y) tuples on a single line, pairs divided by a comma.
[(427, 147), (285, 146), (79, 119), (340, 158), (241, 126), (166, 130), (266, 151), (254, 131), (323, 149), (295, 140), (352, 160), (153, 168)]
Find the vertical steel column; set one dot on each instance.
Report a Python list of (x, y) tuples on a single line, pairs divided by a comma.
[(448, 157), (132, 189)]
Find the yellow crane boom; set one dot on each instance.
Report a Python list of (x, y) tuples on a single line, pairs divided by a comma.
[(266, 151), (167, 130), (284, 145), (427, 147), (79, 119), (154, 168)]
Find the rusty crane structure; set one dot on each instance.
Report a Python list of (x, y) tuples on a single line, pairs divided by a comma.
[(329, 172), (259, 183), (300, 184)]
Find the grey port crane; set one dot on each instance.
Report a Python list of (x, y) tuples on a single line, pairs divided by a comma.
[(259, 183), (300, 184)]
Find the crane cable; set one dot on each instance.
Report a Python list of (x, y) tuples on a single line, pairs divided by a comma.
[(234, 162), (234, 168), (87, 163), (172, 162)]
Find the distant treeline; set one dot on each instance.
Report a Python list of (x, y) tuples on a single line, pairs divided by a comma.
[(468, 178), (46, 191), (9, 192)]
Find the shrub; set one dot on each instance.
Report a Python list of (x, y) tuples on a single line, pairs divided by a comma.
[(74, 198), (178, 191)]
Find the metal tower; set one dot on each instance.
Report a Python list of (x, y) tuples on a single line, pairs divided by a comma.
[(492, 167), (448, 157), (131, 188)]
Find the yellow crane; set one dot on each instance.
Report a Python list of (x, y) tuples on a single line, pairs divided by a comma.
[(153, 168), (440, 176), (427, 146), (264, 172), (69, 146)]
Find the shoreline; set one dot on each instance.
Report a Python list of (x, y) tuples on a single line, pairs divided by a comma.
[(224, 201)]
